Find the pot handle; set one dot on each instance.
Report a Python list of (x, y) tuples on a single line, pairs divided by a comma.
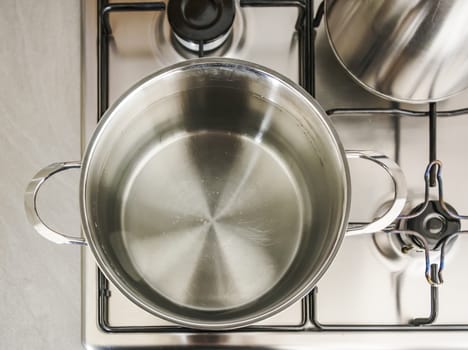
[(399, 200), (30, 204)]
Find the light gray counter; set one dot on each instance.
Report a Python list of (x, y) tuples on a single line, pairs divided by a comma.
[(39, 124)]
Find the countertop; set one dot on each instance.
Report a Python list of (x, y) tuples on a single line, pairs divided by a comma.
[(40, 124)]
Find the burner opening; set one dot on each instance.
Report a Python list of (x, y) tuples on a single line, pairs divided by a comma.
[(434, 223), (196, 23)]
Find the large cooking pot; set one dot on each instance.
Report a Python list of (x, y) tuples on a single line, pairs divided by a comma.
[(214, 193), (404, 50)]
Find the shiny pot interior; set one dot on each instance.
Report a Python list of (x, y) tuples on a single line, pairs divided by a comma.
[(403, 50), (214, 193)]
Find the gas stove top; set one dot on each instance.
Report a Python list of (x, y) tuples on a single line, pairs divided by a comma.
[(375, 294)]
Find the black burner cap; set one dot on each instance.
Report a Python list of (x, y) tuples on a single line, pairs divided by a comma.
[(200, 20), (434, 223)]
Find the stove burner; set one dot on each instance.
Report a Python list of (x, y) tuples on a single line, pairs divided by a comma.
[(196, 23), (434, 223)]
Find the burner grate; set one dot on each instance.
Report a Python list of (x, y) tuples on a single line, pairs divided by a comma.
[(306, 30)]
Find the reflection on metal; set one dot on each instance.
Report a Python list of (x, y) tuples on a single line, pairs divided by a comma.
[(202, 47), (30, 204), (399, 199), (403, 50)]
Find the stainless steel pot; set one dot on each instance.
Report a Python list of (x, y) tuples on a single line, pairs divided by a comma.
[(214, 194), (405, 50)]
